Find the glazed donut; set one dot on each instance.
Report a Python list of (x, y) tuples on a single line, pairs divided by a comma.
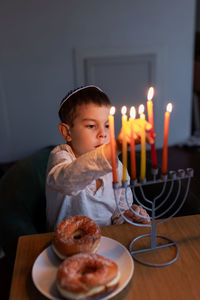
[(75, 235), (86, 275)]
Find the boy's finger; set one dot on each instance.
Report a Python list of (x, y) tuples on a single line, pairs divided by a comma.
[(150, 140), (148, 126)]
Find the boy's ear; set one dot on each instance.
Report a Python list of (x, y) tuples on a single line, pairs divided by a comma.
[(65, 131)]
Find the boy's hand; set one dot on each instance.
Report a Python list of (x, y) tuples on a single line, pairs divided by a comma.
[(137, 130), (140, 210)]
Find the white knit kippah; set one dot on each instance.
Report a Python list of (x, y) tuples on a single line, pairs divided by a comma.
[(72, 92)]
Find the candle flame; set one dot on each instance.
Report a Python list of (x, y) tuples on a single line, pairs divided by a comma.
[(169, 107), (124, 110), (150, 93), (112, 110), (141, 109), (132, 112)]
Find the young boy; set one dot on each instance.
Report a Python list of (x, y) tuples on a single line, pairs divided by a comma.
[(79, 172)]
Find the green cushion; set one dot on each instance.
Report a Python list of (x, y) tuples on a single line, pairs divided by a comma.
[(22, 199)]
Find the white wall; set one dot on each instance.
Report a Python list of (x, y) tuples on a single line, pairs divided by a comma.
[(37, 68), (198, 15)]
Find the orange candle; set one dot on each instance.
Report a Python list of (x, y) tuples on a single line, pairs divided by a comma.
[(112, 143), (165, 140), (124, 143), (133, 162), (151, 121), (143, 143)]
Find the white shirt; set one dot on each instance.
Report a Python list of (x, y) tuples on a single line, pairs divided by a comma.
[(71, 187)]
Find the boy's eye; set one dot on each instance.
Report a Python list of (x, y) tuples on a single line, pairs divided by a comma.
[(90, 126), (107, 126)]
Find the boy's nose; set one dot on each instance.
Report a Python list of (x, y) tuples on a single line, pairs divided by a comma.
[(102, 134)]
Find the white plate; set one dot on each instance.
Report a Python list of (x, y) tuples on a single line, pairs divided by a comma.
[(46, 265)]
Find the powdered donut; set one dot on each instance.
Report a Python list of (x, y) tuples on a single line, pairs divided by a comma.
[(75, 235), (86, 275)]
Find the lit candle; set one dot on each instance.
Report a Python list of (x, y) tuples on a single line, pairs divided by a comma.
[(133, 162), (165, 140), (150, 95), (124, 142), (112, 143), (143, 143), (151, 121)]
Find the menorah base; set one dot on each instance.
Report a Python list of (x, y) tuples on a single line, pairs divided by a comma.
[(170, 243)]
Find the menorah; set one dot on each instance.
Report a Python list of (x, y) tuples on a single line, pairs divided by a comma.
[(173, 181)]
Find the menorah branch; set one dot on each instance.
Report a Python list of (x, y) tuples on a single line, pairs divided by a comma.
[(171, 182)]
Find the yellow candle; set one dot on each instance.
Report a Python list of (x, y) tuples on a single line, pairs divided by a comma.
[(165, 140), (112, 143), (124, 143), (133, 162), (143, 143)]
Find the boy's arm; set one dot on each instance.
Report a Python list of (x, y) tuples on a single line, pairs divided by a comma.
[(70, 177)]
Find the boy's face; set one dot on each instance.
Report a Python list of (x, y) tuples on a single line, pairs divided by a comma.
[(90, 128)]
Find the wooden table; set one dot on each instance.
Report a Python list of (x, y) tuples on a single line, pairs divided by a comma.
[(180, 280)]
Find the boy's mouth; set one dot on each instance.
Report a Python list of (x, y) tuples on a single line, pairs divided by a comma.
[(98, 145)]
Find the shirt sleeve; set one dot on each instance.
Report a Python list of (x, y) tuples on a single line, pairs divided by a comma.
[(69, 175)]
